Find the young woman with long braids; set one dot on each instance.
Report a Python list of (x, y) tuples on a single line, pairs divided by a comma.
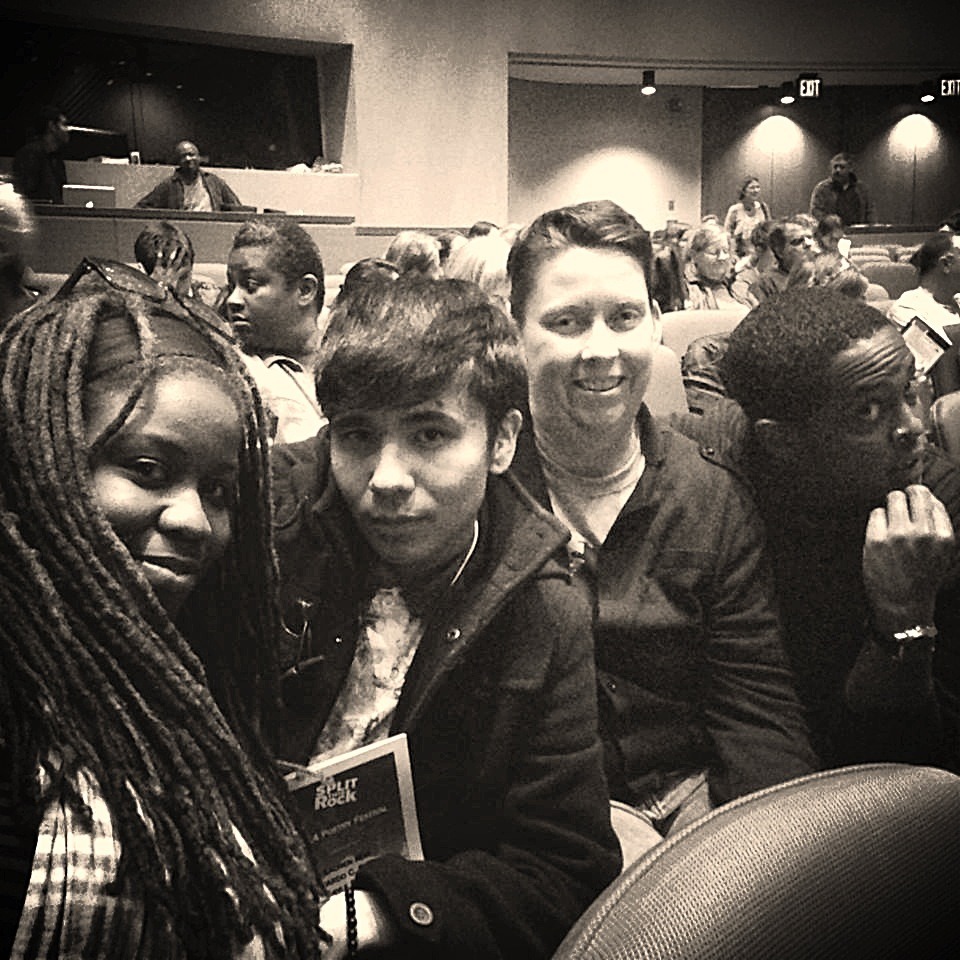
[(139, 812)]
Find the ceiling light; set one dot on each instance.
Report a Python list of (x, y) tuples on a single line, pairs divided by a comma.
[(927, 92), (649, 85), (787, 92)]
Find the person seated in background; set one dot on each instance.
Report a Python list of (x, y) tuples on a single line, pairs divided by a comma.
[(140, 814), (450, 241), (709, 272), (483, 260), (744, 216), (696, 704), (859, 511), (843, 194), (792, 245), (364, 272), (936, 300), (834, 271), (668, 287), (39, 172), (274, 296), (165, 253), (416, 253), (828, 233), (439, 607), (17, 235), (481, 228), (190, 187), (747, 270)]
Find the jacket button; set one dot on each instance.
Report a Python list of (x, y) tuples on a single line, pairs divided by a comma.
[(709, 451), (453, 634), (421, 914), (612, 685)]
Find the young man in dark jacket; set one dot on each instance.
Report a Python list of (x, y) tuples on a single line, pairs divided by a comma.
[(430, 590), (826, 426)]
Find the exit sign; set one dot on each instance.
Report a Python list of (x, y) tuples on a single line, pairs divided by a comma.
[(808, 87), (949, 87)]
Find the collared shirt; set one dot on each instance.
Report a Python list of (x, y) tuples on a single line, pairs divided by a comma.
[(289, 393)]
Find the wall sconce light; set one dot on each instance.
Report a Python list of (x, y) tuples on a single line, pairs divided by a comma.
[(928, 91), (649, 85), (787, 94)]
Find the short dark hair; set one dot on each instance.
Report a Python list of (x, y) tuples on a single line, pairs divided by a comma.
[(600, 224), (481, 228), (397, 344), (777, 234), (778, 357), (293, 254), (926, 257), (154, 237)]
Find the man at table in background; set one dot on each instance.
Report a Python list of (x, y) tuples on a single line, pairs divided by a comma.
[(190, 188), (39, 172)]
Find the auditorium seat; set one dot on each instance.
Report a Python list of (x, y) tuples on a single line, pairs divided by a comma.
[(682, 327), (893, 276), (665, 393), (857, 863)]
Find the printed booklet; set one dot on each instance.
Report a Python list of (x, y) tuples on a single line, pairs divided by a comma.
[(358, 806)]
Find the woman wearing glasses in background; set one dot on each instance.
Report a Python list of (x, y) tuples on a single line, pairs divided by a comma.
[(709, 272), (139, 814)]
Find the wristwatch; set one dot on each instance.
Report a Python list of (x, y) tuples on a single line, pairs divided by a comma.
[(921, 638)]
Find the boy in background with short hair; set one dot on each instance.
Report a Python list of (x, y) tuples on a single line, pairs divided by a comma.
[(432, 594)]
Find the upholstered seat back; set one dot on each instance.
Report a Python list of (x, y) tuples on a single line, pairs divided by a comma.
[(850, 864)]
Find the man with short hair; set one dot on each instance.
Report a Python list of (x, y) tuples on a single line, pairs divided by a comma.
[(791, 242), (842, 193), (39, 172), (274, 297), (857, 508), (190, 187), (696, 703), (426, 594)]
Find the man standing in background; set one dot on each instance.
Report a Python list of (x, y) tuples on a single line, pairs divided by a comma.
[(843, 194)]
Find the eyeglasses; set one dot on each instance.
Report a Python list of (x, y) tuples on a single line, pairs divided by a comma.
[(127, 279), (801, 241)]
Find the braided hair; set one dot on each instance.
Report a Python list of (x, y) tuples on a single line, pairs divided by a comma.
[(95, 673)]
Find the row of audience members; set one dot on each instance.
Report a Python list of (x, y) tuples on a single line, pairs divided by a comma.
[(242, 540)]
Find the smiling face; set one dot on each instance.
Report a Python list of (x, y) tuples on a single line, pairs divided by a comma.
[(712, 261), (414, 477), (166, 479), (589, 333), (752, 190), (268, 313), (188, 159)]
